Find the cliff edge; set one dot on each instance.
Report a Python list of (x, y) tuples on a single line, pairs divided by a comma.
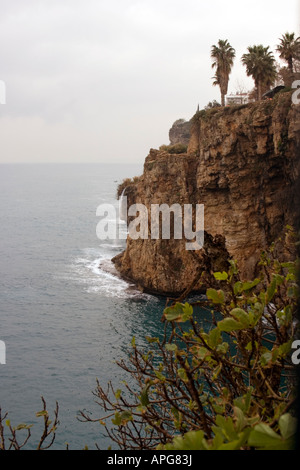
[(242, 163)]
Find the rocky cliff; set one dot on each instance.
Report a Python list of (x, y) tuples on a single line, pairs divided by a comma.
[(242, 163), (180, 132)]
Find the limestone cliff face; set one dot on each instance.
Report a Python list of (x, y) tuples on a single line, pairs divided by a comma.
[(243, 165), (180, 132)]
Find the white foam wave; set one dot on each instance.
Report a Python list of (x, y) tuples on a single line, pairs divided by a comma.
[(95, 270)]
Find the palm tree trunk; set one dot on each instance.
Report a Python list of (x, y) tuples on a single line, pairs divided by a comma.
[(259, 90), (222, 99)]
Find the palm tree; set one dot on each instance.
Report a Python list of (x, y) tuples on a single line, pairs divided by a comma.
[(260, 64), (222, 56), (289, 49)]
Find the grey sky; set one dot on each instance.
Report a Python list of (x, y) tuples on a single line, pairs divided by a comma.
[(103, 80)]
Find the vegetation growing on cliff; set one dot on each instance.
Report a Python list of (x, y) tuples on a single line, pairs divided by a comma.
[(174, 149), (289, 49), (223, 55), (16, 437), (260, 64), (228, 385), (125, 183)]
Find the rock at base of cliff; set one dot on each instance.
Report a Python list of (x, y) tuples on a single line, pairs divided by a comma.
[(164, 267)]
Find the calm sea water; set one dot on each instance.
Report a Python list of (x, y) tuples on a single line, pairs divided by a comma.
[(64, 321)]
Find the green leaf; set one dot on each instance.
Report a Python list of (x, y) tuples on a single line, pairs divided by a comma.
[(240, 419), (291, 266), (287, 425), (255, 313), (266, 358), (293, 292), (171, 347), (144, 396), (236, 444), (126, 416), (192, 440), (271, 290), (244, 401), (201, 352), (214, 337), (227, 426), (285, 317), (238, 287), (230, 324), (250, 284), (217, 296), (41, 413), (221, 276), (222, 348), (117, 419), (23, 426), (160, 376), (187, 312), (218, 440), (240, 315), (216, 372), (265, 438), (174, 312), (150, 339), (233, 266), (279, 279), (182, 375), (179, 312), (121, 419), (285, 348)]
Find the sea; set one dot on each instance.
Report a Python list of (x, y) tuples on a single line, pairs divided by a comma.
[(66, 317)]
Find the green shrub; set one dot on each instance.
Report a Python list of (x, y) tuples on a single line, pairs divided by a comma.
[(174, 149), (229, 385), (125, 183), (226, 385)]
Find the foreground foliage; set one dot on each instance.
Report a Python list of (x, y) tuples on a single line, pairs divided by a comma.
[(227, 385), (16, 437)]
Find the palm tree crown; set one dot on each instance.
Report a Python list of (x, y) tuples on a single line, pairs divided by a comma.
[(289, 49), (260, 64), (223, 56)]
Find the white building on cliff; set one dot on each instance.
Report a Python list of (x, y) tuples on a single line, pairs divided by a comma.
[(238, 98)]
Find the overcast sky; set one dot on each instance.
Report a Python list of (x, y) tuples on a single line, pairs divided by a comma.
[(104, 80)]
